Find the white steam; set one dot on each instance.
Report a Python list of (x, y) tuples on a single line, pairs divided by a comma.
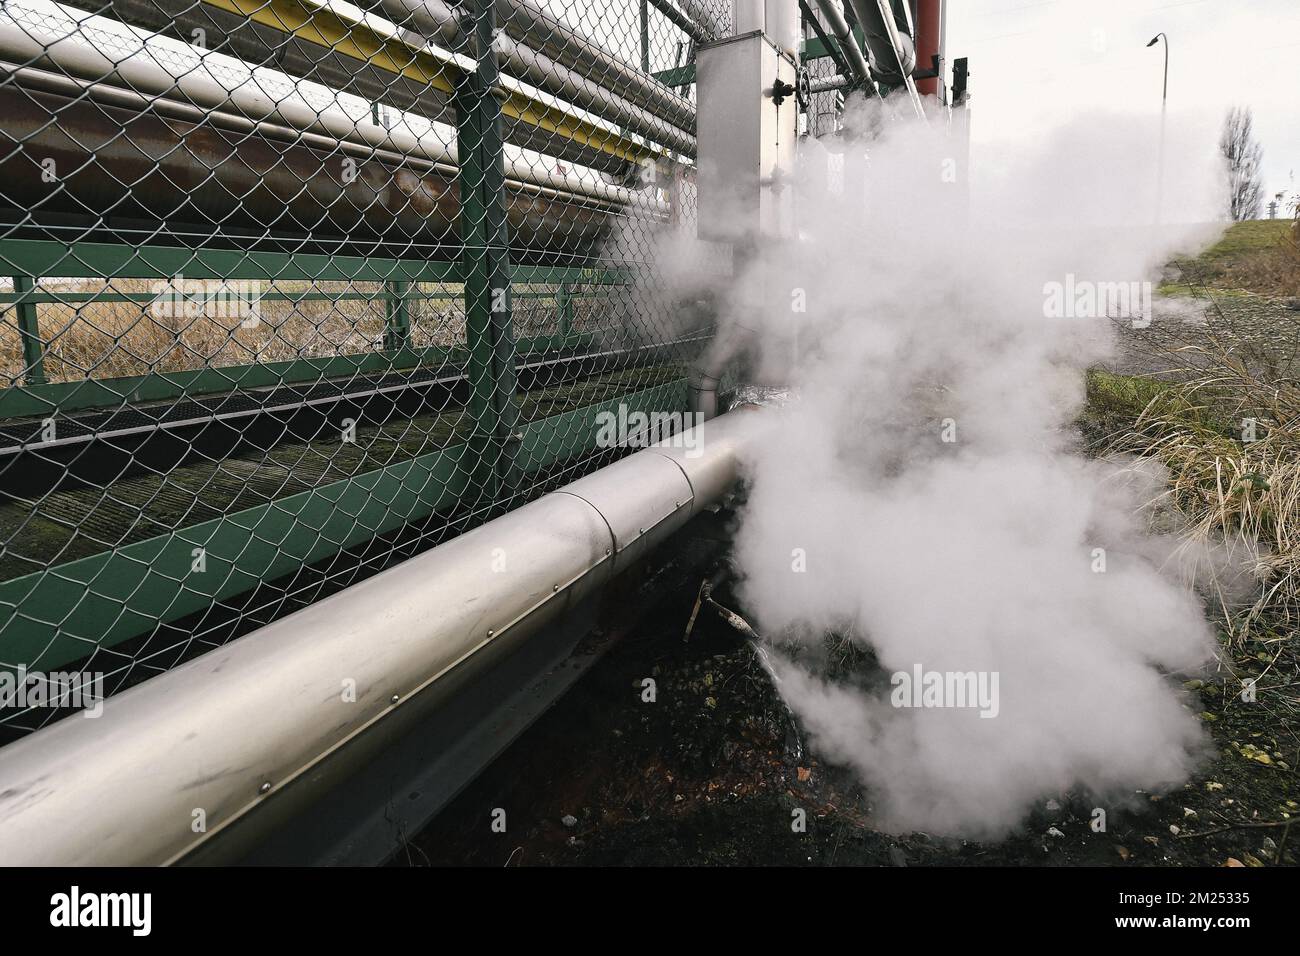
[(923, 322)]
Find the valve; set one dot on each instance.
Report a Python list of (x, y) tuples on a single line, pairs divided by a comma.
[(781, 90)]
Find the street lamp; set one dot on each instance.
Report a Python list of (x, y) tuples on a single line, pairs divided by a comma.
[(1164, 96), (1164, 102)]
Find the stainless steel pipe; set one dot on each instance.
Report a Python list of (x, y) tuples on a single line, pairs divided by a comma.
[(839, 27), (438, 22), (240, 737)]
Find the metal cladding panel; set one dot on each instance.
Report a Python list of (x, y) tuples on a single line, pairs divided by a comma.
[(261, 709), (712, 457), (745, 140), (644, 498)]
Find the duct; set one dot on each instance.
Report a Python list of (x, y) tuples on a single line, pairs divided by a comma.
[(97, 48), (251, 732), (167, 170), (438, 23), (528, 24), (848, 43)]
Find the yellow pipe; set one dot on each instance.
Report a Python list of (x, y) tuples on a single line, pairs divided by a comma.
[(354, 38)]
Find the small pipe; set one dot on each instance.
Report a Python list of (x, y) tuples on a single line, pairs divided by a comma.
[(825, 84), (692, 19)]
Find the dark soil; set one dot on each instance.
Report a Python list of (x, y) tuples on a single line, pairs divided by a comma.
[(713, 772)]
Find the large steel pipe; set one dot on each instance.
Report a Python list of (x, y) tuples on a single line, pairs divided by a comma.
[(110, 161), (96, 49), (847, 41), (436, 21), (244, 733), (528, 24)]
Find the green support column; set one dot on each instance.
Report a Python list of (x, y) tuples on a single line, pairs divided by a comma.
[(565, 302), (397, 315), (485, 236), (29, 331)]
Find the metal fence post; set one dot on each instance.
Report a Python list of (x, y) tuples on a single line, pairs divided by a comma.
[(485, 236), (645, 36), (29, 331)]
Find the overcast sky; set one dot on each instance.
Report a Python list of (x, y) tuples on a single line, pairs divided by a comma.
[(1035, 63)]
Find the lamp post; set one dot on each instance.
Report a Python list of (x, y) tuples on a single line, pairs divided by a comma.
[(1164, 102), (1154, 40)]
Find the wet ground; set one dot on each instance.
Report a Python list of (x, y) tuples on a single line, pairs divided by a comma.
[(713, 771)]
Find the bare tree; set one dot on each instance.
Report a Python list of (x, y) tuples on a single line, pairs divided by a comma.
[(1244, 156)]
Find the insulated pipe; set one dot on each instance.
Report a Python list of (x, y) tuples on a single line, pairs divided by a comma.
[(98, 49), (528, 24), (848, 43), (250, 732), (437, 22)]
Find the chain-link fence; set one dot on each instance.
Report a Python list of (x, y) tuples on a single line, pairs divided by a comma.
[(294, 289)]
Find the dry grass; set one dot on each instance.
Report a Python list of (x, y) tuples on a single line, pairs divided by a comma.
[(1230, 439), (102, 338)]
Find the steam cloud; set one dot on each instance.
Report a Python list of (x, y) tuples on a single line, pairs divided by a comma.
[(976, 554)]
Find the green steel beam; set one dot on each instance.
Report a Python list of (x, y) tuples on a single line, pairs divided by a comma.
[(812, 49), (677, 75), (34, 258), (104, 260), (34, 401), (126, 592)]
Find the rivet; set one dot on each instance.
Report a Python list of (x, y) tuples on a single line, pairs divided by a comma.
[(555, 587), (394, 699), (607, 552), (490, 633), (265, 788)]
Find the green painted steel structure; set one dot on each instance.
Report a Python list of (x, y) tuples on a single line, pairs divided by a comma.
[(467, 371)]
